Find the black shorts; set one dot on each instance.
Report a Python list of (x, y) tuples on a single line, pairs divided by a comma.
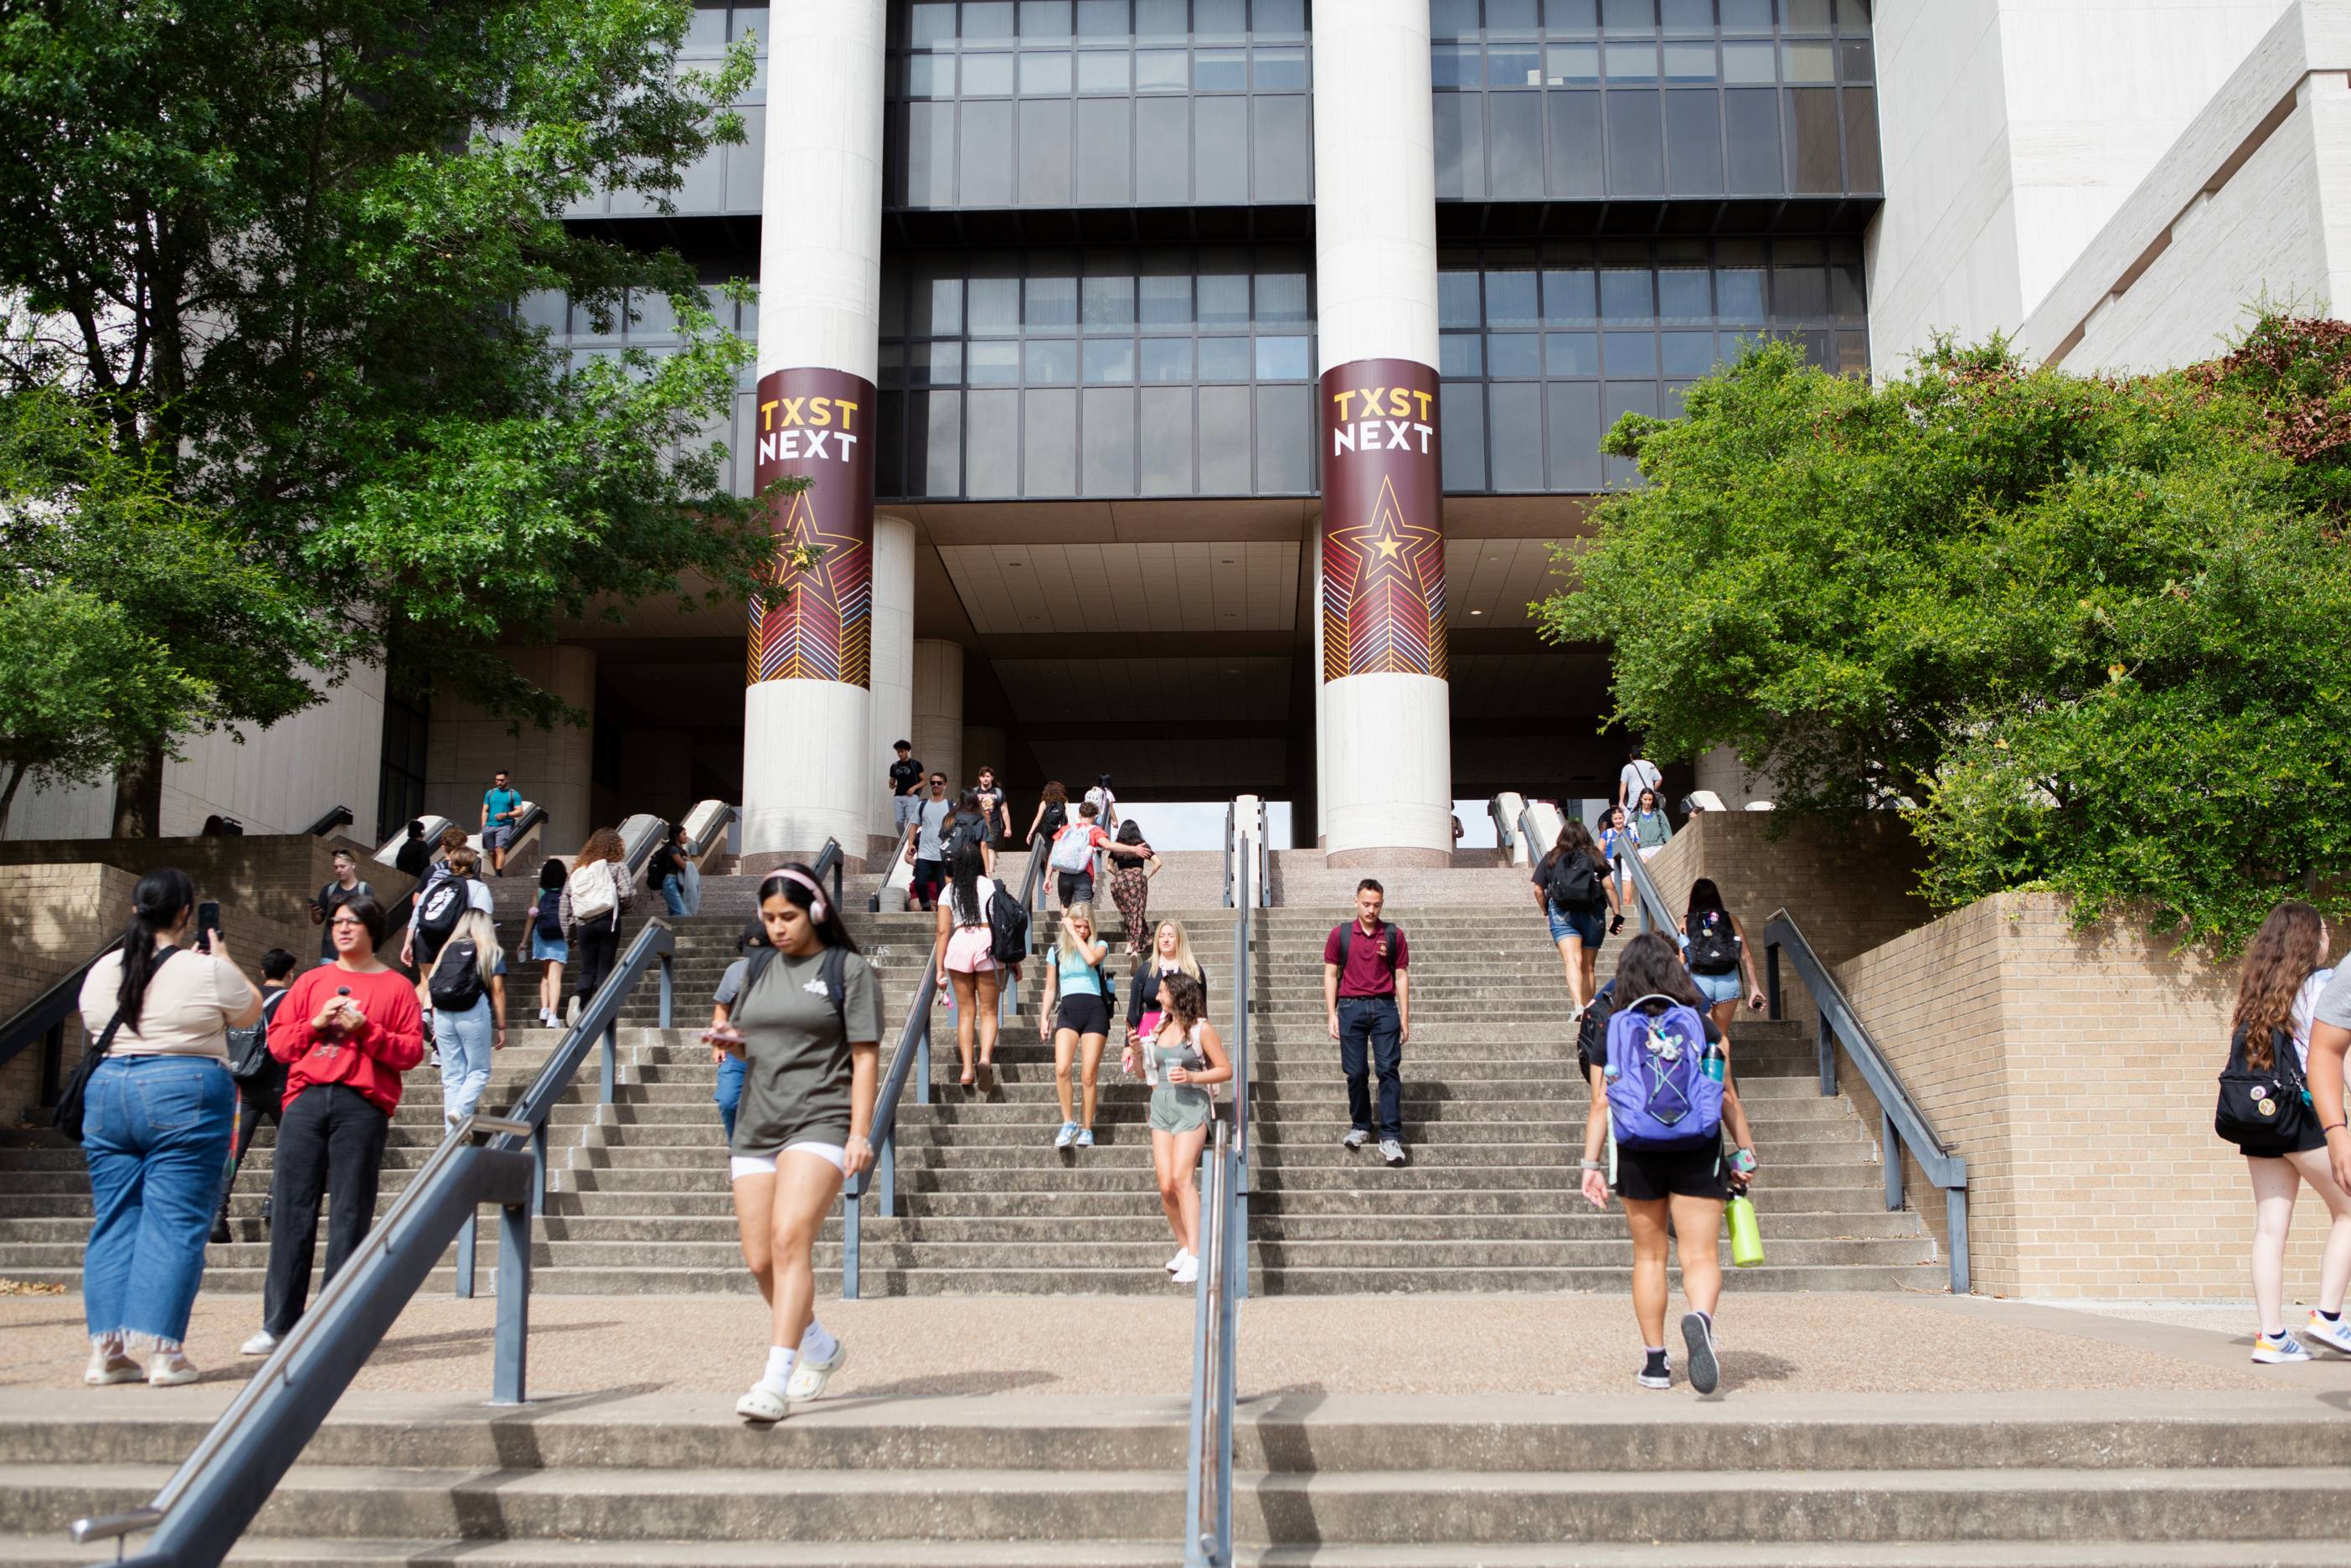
[(1647, 1175), (2310, 1141), (1084, 1013)]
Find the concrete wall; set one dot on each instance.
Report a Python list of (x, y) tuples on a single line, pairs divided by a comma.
[(465, 745), (51, 918), (2075, 1072), (2013, 130), (1850, 883)]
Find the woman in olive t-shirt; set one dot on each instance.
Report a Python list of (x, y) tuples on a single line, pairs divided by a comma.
[(808, 1027)]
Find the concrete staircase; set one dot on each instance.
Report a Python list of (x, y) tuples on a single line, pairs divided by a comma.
[(602, 1481)]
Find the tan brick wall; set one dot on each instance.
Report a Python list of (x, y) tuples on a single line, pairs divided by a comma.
[(52, 918), (2074, 1071), (1850, 883)]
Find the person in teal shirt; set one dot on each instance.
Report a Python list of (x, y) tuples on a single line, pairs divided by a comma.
[(501, 804)]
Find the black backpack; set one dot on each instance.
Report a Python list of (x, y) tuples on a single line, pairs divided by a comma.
[(442, 909), (1574, 881), (836, 988), (455, 984), (2262, 1112), (547, 916), (1713, 943), (1056, 818), (1347, 942), (1008, 929), (248, 1049)]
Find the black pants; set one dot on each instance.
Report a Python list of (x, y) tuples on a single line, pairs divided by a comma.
[(1371, 1039), (249, 1112), (595, 949), (329, 1140)]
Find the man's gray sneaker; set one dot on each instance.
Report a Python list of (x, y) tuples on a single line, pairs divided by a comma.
[(1392, 1151), (1355, 1139)]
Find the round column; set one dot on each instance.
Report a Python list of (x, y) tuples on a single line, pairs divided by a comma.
[(1383, 717), (939, 710), (893, 663), (808, 769)]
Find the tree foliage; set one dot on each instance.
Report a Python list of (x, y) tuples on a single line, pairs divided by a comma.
[(2087, 632), (274, 251)]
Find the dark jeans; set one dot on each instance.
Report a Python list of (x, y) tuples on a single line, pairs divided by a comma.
[(1371, 1022), (929, 877), (329, 1140), (595, 950), (1075, 887)]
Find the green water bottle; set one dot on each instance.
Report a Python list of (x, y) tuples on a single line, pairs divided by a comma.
[(1746, 1237)]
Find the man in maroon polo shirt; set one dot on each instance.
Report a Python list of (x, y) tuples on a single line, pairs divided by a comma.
[(1368, 990)]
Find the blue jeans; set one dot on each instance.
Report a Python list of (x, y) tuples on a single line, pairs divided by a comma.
[(464, 1041), (1369, 1028), (673, 891), (729, 1093), (156, 1131)]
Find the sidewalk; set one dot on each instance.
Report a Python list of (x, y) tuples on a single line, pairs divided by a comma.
[(1136, 1348)]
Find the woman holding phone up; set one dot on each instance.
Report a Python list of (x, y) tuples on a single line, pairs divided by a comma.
[(808, 1026)]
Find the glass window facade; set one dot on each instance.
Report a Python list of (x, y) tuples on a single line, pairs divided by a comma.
[(1543, 348), (1058, 373), (1551, 99), (1078, 103)]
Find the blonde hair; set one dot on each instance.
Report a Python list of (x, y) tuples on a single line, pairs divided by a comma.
[(1069, 917), (465, 860), (1184, 959), (477, 929)]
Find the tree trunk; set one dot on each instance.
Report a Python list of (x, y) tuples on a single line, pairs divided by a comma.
[(138, 798)]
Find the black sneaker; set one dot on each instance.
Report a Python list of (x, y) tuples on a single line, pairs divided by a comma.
[(1697, 1333), (1656, 1372), (220, 1229)]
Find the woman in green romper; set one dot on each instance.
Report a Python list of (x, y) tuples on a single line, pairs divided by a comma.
[(1180, 1061)]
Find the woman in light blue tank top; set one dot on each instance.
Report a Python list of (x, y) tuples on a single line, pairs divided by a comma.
[(1076, 1016)]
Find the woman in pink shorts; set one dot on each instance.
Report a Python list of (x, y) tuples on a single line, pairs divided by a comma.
[(964, 958)]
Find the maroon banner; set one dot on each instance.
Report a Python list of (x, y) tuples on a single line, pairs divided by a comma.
[(1383, 521), (817, 622)]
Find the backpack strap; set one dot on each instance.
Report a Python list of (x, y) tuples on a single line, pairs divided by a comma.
[(836, 985), (1346, 946)]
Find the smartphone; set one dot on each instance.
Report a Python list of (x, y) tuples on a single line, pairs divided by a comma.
[(207, 925)]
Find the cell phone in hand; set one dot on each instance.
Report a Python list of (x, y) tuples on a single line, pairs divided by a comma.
[(207, 925)]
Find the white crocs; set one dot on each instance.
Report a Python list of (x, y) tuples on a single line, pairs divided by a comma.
[(809, 1377), (762, 1404)]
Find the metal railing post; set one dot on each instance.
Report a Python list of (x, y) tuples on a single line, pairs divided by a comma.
[(609, 1062), (886, 1180), (1890, 1148), (1827, 1043), (539, 1170), (1955, 1216), (1771, 980), (668, 989), (923, 1060), (509, 1371), (465, 1255), (849, 1245)]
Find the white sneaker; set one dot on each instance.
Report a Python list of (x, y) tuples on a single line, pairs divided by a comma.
[(169, 1369), (1189, 1270), (1392, 1151), (1178, 1261), (1066, 1136), (809, 1377), (1355, 1139), (2274, 1352), (2335, 1335), (261, 1344)]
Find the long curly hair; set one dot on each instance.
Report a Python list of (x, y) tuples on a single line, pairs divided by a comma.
[(2283, 953), (604, 844)]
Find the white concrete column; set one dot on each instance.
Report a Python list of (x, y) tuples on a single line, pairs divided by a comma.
[(893, 662), (808, 747), (939, 710), (1382, 711)]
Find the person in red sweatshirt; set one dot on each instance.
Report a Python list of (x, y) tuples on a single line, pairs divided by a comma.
[(346, 1032)]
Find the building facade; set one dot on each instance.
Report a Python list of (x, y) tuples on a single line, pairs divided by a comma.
[(1194, 390)]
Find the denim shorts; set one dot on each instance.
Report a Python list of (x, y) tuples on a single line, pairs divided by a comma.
[(1719, 989), (1591, 924)]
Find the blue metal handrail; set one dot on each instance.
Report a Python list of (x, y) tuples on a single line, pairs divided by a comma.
[(1264, 858), (1208, 1480), (210, 1499), (1903, 1125), (1238, 1047), (1228, 854), (910, 1059)]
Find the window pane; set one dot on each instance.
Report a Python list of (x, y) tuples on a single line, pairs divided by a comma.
[(1224, 358), (1224, 298), (1573, 435), (753, 19), (930, 76), (1688, 353), (1629, 353), (1572, 65), (1459, 354), (1862, 170), (1853, 60), (1044, 18), (1454, 65), (1219, 71), (1108, 427), (1806, 16), (1686, 16), (1738, 294), (1571, 18), (1576, 169), (1108, 361), (1168, 359), (930, 155), (1280, 70), (1510, 298), (1684, 295), (1628, 15), (938, 295), (934, 22), (1104, 151), (937, 364), (934, 445), (996, 364), (1166, 441), (1694, 142), (1102, 19), (987, 76), (1282, 297), (1750, 64), (1751, 128), (1281, 360), (986, 155), (1799, 293), (1163, 150), (1632, 62), (1452, 19), (1511, 15), (1224, 430), (1045, 73), (1689, 62), (1221, 168), (1462, 406), (1567, 297), (1107, 303), (1809, 64), (1516, 410), (1220, 19), (1285, 440), (1278, 18), (1518, 141), (1853, 15), (1161, 70), (1636, 143), (1048, 457), (1461, 144), (1053, 301), (1159, 21), (990, 20), (1045, 153), (1571, 354), (1625, 294), (1745, 16), (1102, 70), (1513, 65), (1166, 299), (1053, 361), (1513, 354), (1282, 147), (1816, 162), (992, 443), (1618, 399)]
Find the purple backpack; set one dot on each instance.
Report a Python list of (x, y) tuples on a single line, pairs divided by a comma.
[(1659, 1096)]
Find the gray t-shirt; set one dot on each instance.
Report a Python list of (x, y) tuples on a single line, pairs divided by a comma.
[(796, 1052), (2334, 1005), (1637, 776), (730, 984), (930, 843)]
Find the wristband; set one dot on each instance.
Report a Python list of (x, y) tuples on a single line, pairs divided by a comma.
[(1592, 1164), (2323, 1129)]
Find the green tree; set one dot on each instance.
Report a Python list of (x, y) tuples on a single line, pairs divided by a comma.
[(2085, 632), (276, 248)]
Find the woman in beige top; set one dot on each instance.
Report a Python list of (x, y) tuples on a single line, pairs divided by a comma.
[(157, 1121)]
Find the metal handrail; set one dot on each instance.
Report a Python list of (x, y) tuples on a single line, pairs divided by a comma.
[(699, 847), (911, 1059), (1228, 854), (1208, 1480), (1656, 914), (335, 817), (1238, 1049), (205, 1506), (1903, 1124), (1264, 858), (44, 1018)]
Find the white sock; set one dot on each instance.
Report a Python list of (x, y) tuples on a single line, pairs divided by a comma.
[(818, 1344), (780, 1367)]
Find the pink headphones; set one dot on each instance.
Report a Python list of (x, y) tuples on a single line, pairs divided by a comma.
[(819, 909)]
